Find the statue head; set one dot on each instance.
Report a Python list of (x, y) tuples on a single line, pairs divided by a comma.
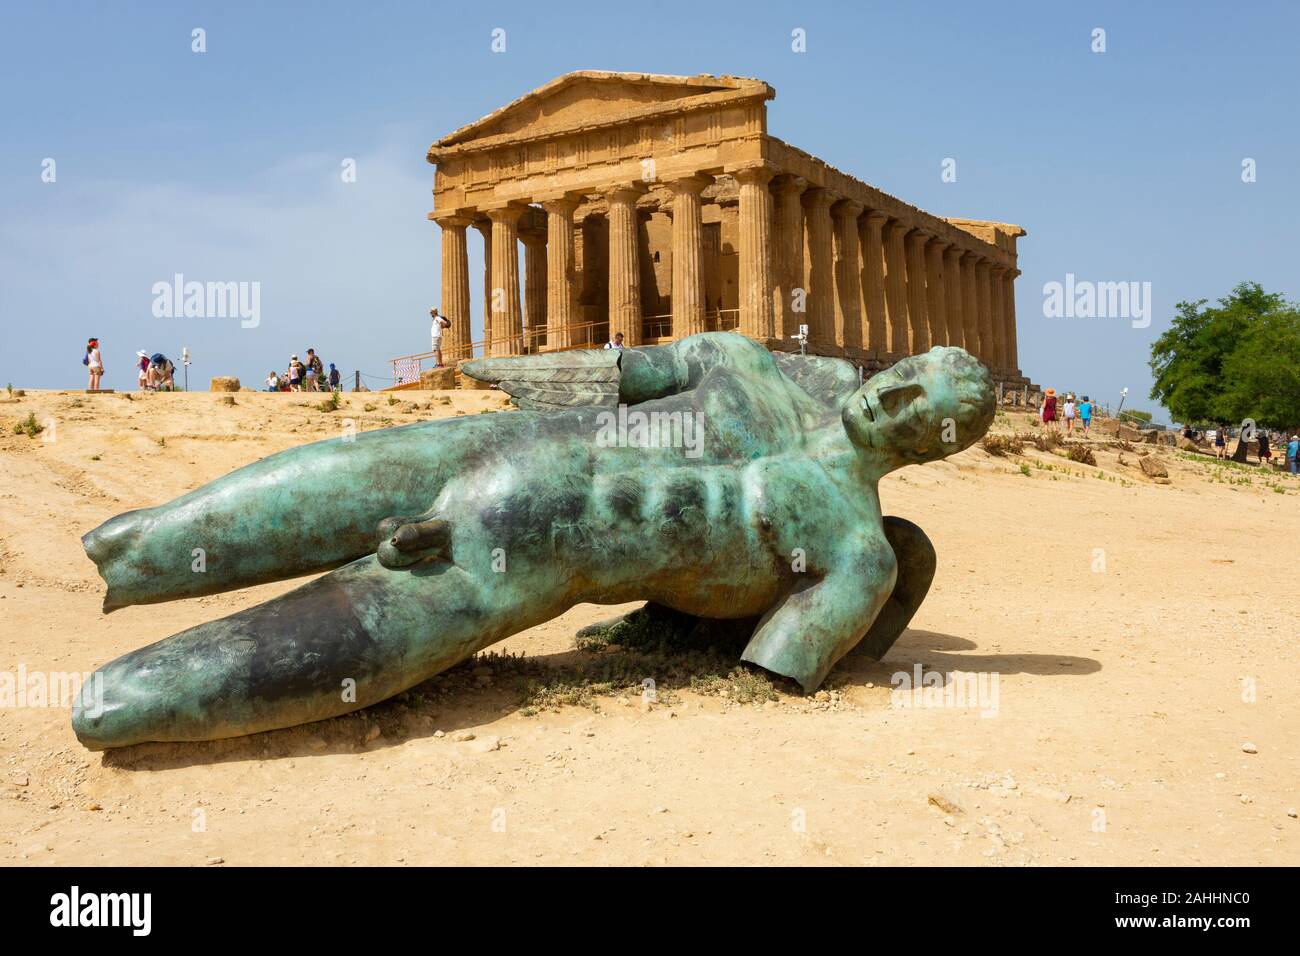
[(922, 408)]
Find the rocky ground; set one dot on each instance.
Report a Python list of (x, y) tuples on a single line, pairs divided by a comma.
[(1131, 639)]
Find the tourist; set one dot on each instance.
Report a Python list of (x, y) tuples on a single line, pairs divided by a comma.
[(1069, 414), (295, 374), (1220, 443), (334, 378), (315, 371), (440, 323), (161, 371), (94, 362), (1265, 453), (1085, 414), (272, 382), (142, 370), (1049, 408), (616, 342), (1293, 455)]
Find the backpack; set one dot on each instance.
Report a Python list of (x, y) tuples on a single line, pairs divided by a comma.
[(85, 359)]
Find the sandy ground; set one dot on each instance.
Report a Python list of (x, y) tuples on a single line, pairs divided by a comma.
[(1142, 638)]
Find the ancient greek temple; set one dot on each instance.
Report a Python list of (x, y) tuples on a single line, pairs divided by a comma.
[(660, 206)]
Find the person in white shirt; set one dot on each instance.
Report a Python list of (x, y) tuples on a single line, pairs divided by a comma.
[(440, 322), (94, 363), (1070, 410), (272, 382), (616, 342)]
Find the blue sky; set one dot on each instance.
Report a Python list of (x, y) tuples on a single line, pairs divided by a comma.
[(1123, 165)]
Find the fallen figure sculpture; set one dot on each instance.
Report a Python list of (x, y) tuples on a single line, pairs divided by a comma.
[(451, 535)]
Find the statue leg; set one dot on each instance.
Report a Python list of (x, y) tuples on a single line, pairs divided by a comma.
[(346, 640), (916, 565)]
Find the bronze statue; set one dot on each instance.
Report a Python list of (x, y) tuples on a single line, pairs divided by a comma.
[(709, 476)]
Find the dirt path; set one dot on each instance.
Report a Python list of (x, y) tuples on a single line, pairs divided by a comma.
[(1137, 636)]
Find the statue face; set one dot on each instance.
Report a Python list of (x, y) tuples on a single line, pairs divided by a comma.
[(922, 408)]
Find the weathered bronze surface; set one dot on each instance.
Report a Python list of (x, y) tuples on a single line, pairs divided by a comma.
[(753, 494)]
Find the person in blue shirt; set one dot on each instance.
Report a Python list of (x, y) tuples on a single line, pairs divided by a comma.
[(1085, 413), (1292, 454)]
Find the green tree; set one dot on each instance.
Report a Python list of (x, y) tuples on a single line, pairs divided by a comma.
[(1231, 362)]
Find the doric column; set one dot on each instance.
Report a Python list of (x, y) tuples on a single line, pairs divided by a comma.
[(507, 318), (787, 215), (1009, 319), (848, 274), (561, 302), (999, 361), (688, 256), (873, 283), (936, 289), (534, 241), (821, 264), (918, 311), (985, 307), (455, 287), (896, 288), (624, 265), (484, 227), (953, 296), (970, 307), (757, 283)]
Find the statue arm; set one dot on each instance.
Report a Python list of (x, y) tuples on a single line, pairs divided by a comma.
[(821, 620)]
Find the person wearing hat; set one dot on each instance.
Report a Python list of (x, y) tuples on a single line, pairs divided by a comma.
[(142, 369), (1085, 414), (1293, 455), (1069, 412), (1049, 408), (94, 362)]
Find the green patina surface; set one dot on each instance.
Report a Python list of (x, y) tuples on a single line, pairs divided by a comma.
[(747, 492)]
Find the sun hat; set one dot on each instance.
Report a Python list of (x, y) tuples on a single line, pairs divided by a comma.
[(1050, 391)]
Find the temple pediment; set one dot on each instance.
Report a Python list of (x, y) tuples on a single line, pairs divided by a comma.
[(590, 97)]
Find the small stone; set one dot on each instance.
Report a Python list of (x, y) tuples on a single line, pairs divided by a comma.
[(461, 736), (92, 806), (1249, 748), (940, 802), (1291, 813), (439, 733), (215, 860), (485, 745), (19, 779), (373, 733)]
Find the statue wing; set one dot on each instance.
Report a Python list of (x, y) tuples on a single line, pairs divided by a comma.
[(603, 378), (585, 378), (555, 380)]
